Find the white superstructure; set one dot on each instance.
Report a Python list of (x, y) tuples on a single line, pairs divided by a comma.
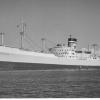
[(71, 51)]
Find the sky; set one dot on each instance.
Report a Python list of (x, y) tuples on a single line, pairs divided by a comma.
[(52, 19)]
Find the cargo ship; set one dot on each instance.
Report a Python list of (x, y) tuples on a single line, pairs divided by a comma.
[(61, 56)]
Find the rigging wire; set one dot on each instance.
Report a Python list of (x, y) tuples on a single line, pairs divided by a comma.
[(31, 41), (16, 39), (51, 41)]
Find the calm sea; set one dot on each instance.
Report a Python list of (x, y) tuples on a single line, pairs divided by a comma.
[(50, 84)]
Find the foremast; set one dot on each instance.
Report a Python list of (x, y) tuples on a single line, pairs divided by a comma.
[(22, 32)]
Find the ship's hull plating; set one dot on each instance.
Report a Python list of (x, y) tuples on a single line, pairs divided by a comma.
[(12, 58)]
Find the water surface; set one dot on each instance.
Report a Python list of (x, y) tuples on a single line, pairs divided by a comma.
[(50, 84)]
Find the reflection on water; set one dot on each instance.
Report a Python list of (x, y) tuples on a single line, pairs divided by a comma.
[(50, 84)]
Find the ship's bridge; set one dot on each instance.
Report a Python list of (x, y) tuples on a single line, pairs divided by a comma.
[(62, 50)]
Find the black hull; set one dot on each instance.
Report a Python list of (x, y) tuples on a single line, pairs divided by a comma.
[(35, 66)]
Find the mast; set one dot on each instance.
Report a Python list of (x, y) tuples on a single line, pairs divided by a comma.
[(70, 36), (2, 38), (43, 44), (22, 32), (88, 47), (94, 48)]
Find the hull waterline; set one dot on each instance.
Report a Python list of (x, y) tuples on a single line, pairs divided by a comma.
[(34, 66)]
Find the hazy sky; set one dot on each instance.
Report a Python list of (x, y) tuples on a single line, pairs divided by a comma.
[(53, 19)]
